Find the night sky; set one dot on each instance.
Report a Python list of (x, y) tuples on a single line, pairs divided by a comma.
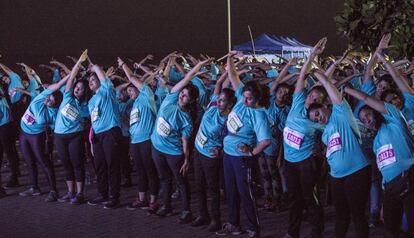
[(33, 31)]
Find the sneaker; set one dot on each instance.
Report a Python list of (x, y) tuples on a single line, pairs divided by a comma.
[(13, 183), (186, 217), (164, 212), (30, 192), (112, 204), (253, 234), (229, 229), (213, 226), (176, 194), (200, 221), (98, 200), (137, 204), (152, 208), (78, 199), (66, 198), (52, 196)]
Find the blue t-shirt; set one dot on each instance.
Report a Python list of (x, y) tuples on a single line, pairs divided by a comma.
[(56, 76), (125, 111), (5, 116), (175, 75), (203, 95), (15, 82), (300, 139), (38, 116), (368, 88), (142, 117), (272, 73), (33, 85), (171, 125), (245, 125), (72, 115), (103, 108), (160, 93), (342, 139), (211, 132), (277, 119), (408, 111), (393, 145)]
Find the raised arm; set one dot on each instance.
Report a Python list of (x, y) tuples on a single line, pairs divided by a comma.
[(219, 83), (99, 72), (329, 72), (58, 85), (75, 70), (61, 65), (187, 78), (136, 82), (317, 49), (231, 72), (334, 94), (6, 69), (401, 83), (383, 44), (376, 104), (282, 74)]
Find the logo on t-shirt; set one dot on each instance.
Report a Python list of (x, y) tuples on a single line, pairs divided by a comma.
[(293, 138), (163, 128), (28, 118), (334, 144), (95, 114), (201, 138), (234, 123), (135, 116), (385, 156), (70, 112)]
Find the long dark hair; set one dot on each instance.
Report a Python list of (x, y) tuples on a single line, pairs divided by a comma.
[(230, 95), (259, 92), (87, 94), (191, 108)]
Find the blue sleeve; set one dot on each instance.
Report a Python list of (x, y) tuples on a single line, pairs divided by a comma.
[(171, 98), (262, 127), (408, 100), (239, 91), (56, 76), (368, 87), (187, 128), (393, 114), (213, 98), (298, 101)]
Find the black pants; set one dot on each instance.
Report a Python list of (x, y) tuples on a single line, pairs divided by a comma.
[(147, 173), (107, 162), (126, 167), (70, 149), (301, 183), (350, 195), (33, 150), (8, 146), (398, 198), (207, 179), (168, 166)]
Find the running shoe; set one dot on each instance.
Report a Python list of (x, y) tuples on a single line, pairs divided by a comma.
[(32, 191), (66, 198), (229, 229), (52, 196)]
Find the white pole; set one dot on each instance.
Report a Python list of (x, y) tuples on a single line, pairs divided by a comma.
[(229, 24), (251, 38)]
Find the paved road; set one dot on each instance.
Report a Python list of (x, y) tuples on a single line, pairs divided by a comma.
[(32, 217)]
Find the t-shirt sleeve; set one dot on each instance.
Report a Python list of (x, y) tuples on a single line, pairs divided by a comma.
[(408, 100), (262, 127), (171, 98), (393, 114), (187, 128), (298, 101), (239, 91)]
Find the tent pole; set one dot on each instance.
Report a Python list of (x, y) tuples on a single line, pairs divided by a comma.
[(229, 25), (251, 38)]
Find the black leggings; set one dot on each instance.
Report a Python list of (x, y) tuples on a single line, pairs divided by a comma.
[(147, 173), (350, 195), (70, 149)]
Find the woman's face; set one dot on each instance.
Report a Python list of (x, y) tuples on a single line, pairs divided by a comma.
[(381, 87), (79, 90), (366, 116), (395, 100), (132, 92), (314, 96), (184, 98), (25, 83), (248, 99), (50, 101), (320, 115), (282, 96), (223, 103), (5, 80), (94, 83)]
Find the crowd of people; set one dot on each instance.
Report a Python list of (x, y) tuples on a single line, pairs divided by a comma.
[(288, 127)]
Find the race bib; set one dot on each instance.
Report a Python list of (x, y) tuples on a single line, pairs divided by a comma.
[(70, 112), (135, 116), (385, 156), (234, 123), (163, 128), (201, 138), (95, 114), (28, 118), (293, 138), (411, 126), (334, 144)]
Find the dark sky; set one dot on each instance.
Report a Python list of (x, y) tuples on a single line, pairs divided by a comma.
[(32, 30)]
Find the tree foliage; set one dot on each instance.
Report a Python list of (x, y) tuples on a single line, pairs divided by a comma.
[(363, 22)]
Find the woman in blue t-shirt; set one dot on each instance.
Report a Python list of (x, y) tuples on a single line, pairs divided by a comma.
[(349, 169), (171, 145), (208, 152), (248, 135), (40, 114), (68, 133), (141, 123), (394, 149), (106, 126)]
